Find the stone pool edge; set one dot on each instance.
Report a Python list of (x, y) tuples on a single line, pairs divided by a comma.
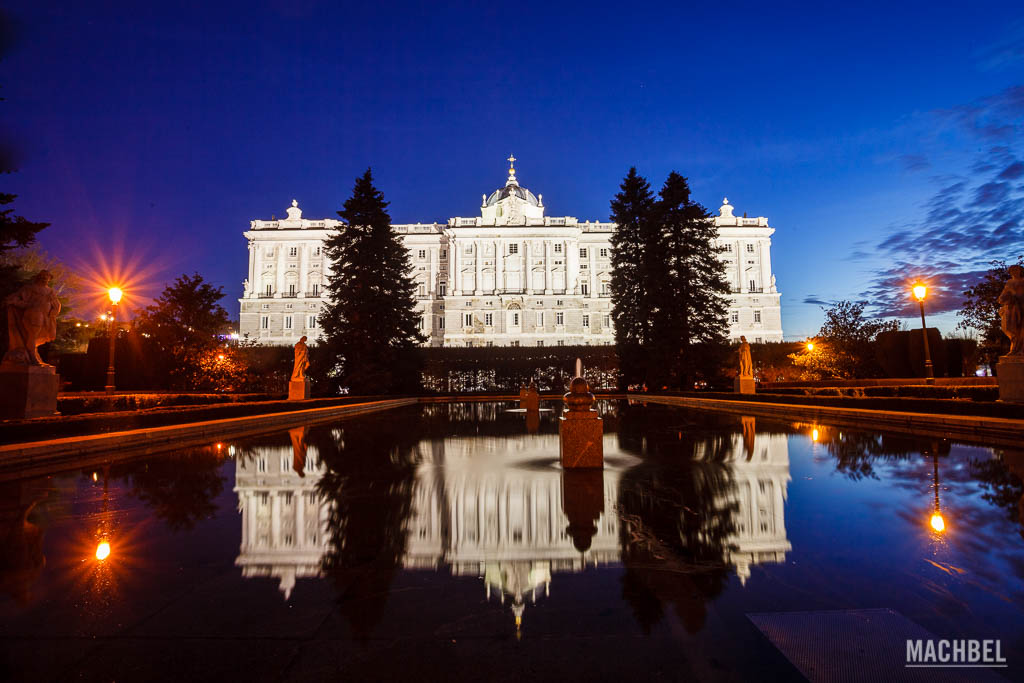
[(998, 431), (33, 457)]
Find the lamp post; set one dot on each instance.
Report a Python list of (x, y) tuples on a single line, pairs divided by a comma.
[(115, 294), (920, 291)]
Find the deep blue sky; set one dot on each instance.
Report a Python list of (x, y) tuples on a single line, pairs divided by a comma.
[(158, 130)]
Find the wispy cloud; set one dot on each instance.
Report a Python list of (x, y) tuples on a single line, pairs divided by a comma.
[(972, 218)]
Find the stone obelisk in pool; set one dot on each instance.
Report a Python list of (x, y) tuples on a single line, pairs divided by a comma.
[(580, 430)]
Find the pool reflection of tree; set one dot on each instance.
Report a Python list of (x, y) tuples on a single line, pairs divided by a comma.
[(179, 488), (1001, 476)]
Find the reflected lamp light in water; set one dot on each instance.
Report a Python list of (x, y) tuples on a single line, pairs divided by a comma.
[(103, 551), (814, 434), (938, 523)]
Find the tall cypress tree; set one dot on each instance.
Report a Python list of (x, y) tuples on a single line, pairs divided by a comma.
[(632, 212), (371, 326), (691, 303)]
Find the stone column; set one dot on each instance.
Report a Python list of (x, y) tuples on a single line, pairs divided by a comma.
[(453, 259), (477, 289), (572, 266), (303, 269), (547, 266), (254, 252), (528, 273), (434, 263), (252, 514), (275, 519), (300, 519), (766, 264), (280, 270), (592, 269), (499, 266)]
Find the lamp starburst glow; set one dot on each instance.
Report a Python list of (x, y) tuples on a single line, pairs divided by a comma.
[(115, 294), (938, 523), (920, 291), (810, 346), (103, 551)]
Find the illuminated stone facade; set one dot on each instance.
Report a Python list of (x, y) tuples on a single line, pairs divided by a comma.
[(510, 276)]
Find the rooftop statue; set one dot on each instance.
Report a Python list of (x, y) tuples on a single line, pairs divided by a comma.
[(1012, 310), (31, 320)]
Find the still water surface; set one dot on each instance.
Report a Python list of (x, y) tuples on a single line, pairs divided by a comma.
[(445, 542)]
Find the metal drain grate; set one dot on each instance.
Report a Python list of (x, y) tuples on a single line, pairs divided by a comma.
[(855, 645)]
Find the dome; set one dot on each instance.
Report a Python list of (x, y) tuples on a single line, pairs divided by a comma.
[(508, 191)]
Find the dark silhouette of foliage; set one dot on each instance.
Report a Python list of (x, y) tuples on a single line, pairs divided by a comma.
[(981, 311), (371, 322)]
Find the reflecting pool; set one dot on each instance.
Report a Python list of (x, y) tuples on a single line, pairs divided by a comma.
[(444, 541)]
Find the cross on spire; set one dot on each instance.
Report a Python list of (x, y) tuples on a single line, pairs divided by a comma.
[(511, 160), (511, 171)]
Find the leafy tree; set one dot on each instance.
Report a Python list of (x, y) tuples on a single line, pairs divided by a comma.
[(371, 324), (632, 212), (690, 294), (181, 329), (844, 347), (981, 311)]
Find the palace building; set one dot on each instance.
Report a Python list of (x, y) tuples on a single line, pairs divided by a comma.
[(510, 276)]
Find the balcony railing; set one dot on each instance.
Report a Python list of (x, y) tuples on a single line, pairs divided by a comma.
[(290, 295), (264, 295)]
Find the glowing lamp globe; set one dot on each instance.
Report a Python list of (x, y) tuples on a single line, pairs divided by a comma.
[(919, 292), (938, 523), (103, 551), (810, 346), (115, 294)]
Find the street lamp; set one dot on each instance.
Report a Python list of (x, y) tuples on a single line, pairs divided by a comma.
[(920, 291), (810, 346), (115, 295)]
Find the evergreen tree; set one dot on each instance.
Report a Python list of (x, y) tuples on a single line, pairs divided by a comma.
[(690, 304), (371, 325), (632, 212), (181, 328)]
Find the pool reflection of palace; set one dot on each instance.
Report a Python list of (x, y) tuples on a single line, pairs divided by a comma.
[(500, 509)]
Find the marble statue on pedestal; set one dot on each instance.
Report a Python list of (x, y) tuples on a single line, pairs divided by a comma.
[(1011, 313), (298, 387), (31, 320), (1012, 310), (30, 385), (744, 383)]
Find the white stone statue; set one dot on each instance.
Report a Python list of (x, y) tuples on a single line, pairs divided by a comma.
[(1012, 310), (301, 360), (746, 365), (31, 320)]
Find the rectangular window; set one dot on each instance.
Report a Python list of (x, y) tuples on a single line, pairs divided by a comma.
[(515, 320), (586, 320), (442, 288), (540, 319), (264, 322), (270, 290), (291, 290), (728, 248), (423, 323), (584, 289), (316, 290), (287, 322), (540, 342), (468, 250), (515, 343), (561, 342), (757, 316), (316, 252), (559, 318), (604, 289), (469, 345), (513, 249), (558, 248), (440, 323), (750, 248), (753, 285), (490, 343), (265, 307), (757, 340), (607, 321), (422, 254), (312, 322), (604, 253), (583, 252), (488, 319), (558, 302), (444, 254), (734, 316), (469, 319), (421, 290), (294, 251)]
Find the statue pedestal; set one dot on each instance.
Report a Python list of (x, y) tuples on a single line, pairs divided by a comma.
[(743, 385), (28, 390), (1011, 379), (298, 389), (581, 442), (529, 400)]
